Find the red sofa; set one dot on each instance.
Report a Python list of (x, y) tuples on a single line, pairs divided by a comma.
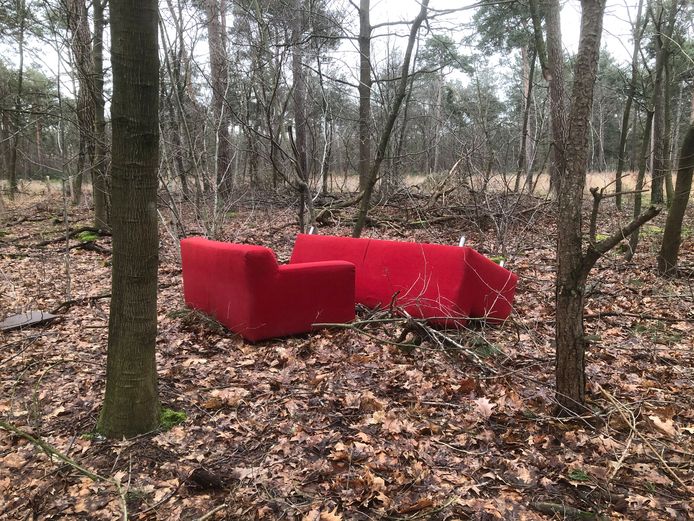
[(447, 284), (245, 289)]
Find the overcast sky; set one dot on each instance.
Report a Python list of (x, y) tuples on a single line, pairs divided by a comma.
[(616, 33)]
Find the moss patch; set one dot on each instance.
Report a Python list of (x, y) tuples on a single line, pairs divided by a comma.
[(87, 237), (169, 418)]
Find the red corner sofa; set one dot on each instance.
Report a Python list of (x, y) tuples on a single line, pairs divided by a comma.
[(246, 290), (446, 284)]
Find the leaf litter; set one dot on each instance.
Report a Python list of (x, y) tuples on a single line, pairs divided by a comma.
[(338, 425)]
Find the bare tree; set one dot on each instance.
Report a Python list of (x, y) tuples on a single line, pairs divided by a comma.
[(573, 265), (390, 121)]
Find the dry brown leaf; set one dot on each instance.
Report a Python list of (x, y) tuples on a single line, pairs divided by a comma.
[(484, 407), (665, 426)]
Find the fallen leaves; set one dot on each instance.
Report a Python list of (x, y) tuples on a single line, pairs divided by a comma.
[(334, 426)]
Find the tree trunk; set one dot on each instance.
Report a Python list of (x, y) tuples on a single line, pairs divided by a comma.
[(667, 129), (555, 61), (131, 404), (364, 94), (672, 236), (641, 176), (437, 121), (219, 81), (523, 160), (662, 39), (328, 127), (571, 268), (80, 44), (299, 103), (631, 91), (99, 173), (12, 174), (390, 121)]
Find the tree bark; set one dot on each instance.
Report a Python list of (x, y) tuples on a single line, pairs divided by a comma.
[(80, 44), (523, 160), (555, 61), (672, 236), (131, 404), (12, 174), (640, 178), (219, 81), (364, 93), (572, 271), (662, 39), (390, 121), (299, 105), (99, 173)]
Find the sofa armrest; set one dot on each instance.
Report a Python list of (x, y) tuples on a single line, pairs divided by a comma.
[(301, 295)]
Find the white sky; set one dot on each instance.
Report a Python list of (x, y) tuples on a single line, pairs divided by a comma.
[(616, 33), (616, 27)]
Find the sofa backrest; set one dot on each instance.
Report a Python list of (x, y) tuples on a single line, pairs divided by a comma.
[(430, 280), (222, 279)]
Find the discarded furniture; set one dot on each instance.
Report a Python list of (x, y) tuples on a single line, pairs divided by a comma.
[(447, 284), (27, 319), (245, 289)]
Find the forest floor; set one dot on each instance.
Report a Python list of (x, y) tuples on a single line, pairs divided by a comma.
[(338, 424)]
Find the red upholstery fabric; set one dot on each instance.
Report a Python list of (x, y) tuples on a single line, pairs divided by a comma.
[(246, 290), (444, 283)]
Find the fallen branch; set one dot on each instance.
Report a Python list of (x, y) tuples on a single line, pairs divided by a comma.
[(212, 512), (73, 233), (51, 451), (636, 315), (74, 301), (566, 511)]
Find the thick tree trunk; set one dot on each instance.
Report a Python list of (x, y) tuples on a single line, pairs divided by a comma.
[(672, 236), (99, 173), (571, 266), (364, 94), (131, 404), (219, 81), (631, 91), (390, 121)]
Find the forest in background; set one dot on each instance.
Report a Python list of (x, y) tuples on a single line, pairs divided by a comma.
[(235, 76), (246, 122)]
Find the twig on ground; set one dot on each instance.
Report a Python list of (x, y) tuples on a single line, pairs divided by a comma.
[(632, 425), (565, 511), (212, 512), (51, 451)]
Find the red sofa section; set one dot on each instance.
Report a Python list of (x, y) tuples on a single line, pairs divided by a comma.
[(245, 289), (447, 284)]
